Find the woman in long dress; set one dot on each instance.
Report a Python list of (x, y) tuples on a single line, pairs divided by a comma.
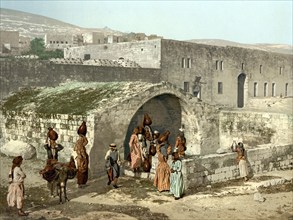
[(176, 180), (241, 160), (135, 151), (162, 176), (82, 160), (15, 194)]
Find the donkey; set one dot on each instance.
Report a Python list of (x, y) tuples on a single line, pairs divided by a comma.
[(57, 174)]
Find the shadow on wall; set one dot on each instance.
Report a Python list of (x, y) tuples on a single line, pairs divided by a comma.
[(165, 112)]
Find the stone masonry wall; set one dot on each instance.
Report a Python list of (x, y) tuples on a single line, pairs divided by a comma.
[(255, 128), (146, 53), (260, 67), (32, 128), (213, 168), (30, 73)]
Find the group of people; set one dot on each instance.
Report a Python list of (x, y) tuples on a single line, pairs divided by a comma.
[(81, 157), (144, 144)]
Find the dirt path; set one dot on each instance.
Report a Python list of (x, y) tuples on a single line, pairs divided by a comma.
[(138, 199)]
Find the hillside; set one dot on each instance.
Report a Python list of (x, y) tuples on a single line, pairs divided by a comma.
[(32, 25), (276, 48)]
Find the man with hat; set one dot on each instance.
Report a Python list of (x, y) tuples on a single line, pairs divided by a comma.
[(112, 165)]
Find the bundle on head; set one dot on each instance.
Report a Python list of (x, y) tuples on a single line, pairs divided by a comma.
[(52, 134), (146, 119), (164, 137), (141, 130), (82, 129)]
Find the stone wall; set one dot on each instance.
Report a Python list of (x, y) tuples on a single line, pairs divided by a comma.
[(146, 53), (30, 73), (255, 128), (214, 168), (32, 128)]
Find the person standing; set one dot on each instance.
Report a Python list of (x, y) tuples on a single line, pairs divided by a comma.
[(15, 196), (51, 146), (82, 157), (241, 160), (162, 176), (135, 152), (176, 179), (180, 144), (112, 165)]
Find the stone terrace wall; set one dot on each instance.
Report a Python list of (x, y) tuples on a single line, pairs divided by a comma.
[(32, 73), (215, 168), (31, 128), (145, 53), (255, 128)]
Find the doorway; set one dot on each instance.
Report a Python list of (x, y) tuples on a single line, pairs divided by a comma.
[(240, 90)]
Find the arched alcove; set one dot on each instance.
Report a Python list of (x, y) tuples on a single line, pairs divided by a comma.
[(165, 112)]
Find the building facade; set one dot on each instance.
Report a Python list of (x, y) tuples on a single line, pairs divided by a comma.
[(227, 76)]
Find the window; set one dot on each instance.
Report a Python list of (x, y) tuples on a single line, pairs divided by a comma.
[(188, 62), (281, 70), (286, 89), (220, 88), (222, 65), (260, 69), (255, 89), (273, 89), (87, 57), (265, 89), (183, 63), (217, 64), (242, 66), (186, 86)]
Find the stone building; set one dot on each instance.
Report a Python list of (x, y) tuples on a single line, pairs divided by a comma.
[(228, 76), (9, 41), (61, 41)]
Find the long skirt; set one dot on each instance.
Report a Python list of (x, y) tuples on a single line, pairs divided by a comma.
[(177, 186), (162, 177), (15, 195), (243, 169), (136, 158), (82, 177)]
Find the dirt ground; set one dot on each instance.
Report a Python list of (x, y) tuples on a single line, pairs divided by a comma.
[(138, 199)]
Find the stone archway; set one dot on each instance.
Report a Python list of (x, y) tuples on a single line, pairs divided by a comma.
[(115, 123), (241, 90)]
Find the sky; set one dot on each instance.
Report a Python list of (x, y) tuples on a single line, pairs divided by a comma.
[(240, 21)]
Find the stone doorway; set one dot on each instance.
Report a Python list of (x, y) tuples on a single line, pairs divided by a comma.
[(241, 90)]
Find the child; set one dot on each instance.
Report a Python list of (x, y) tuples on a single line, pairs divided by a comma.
[(176, 179)]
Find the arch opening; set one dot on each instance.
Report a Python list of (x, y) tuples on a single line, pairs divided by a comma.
[(165, 112)]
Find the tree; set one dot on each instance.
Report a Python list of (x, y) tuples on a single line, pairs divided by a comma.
[(37, 46)]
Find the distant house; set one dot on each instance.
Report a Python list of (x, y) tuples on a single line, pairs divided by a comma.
[(61, 41), (9, 41)]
